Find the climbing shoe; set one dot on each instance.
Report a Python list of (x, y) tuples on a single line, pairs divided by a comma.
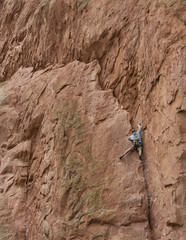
[(121, 157)]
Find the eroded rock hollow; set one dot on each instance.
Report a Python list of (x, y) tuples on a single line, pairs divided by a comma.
[(75, 77)]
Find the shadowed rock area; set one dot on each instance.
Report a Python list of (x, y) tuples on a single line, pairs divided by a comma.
[(76, 77)]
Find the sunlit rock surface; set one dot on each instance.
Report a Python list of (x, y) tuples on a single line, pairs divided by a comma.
[(76, 77)]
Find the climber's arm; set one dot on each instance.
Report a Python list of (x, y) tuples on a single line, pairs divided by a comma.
[(139, 127), (130, 138)]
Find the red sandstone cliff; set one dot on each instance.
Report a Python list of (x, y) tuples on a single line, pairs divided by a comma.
[(76, 76)]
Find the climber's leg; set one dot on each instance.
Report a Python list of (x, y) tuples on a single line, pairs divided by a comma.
[(140, 152), (128, 150)]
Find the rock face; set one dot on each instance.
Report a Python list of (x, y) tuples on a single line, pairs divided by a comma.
[(76, 77)]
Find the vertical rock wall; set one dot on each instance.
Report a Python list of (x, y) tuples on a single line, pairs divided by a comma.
[(76, 77)]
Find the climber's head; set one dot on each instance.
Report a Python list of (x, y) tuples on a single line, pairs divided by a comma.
[(133, 131)]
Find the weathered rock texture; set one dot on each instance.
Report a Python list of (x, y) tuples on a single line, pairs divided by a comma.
[(76, 76)]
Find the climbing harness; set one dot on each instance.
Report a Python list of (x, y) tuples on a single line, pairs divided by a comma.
[(138, 143)]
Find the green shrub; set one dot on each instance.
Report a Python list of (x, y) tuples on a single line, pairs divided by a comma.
[(44, 3), (81, 4), (81, 194), (98, 234), (46, 231)]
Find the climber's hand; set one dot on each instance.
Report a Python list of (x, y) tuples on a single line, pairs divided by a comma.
[(140, 123)]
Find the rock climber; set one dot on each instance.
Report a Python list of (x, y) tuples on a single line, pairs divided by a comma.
[(137, 143)]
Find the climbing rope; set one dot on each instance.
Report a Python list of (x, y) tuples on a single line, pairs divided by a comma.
[(147, 212)]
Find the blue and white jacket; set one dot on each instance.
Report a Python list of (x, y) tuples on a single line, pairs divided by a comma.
[(136, 136)]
